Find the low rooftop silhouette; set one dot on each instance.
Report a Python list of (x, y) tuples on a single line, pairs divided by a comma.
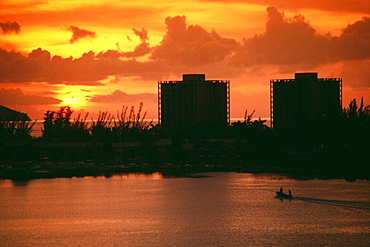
[(7, 114)]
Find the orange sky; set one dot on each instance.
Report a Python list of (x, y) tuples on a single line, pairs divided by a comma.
[(101, 55)]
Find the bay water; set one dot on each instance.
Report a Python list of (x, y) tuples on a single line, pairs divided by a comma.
[(211, 209)]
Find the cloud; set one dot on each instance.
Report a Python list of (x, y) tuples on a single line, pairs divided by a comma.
[(286, 42), (356, 74), (289, 44), (16, 97), (140, 50), (354, 42), (79, 34), (119, 96), (89, 69), (143, 34), (191, 46), (293, 44), (49, 93), (38, 66), (10, 27)]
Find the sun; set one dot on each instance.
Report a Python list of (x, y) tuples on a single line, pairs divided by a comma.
[(71, 101), (74, 96)]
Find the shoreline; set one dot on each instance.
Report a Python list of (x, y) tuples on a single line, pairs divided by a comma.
[(17, 174)]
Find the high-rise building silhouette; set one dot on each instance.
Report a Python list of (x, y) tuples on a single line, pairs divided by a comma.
[(304, 101), (194, 100)]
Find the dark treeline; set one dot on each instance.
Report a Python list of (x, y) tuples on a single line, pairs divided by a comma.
[(126, 141), (125, 126)]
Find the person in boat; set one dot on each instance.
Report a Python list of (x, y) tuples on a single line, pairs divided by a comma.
[(282, 194)]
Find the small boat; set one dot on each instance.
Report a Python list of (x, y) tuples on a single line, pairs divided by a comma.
[(283, 195)]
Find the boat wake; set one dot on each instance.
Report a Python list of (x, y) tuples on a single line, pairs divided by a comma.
[(340, 203)]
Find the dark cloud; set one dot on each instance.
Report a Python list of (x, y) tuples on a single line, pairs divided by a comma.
[(192, 46), (10, 27), (89, 69), (293, 44), (119, 96), (80, 33), (361, 27), (286, 42), (140, 50), (354, 42), (39, 66), (16, 97)]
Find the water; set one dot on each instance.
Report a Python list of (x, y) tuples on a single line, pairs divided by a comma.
[(37, 128), (218, 209)]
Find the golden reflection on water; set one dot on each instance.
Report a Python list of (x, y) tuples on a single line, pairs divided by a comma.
[(151, 176)]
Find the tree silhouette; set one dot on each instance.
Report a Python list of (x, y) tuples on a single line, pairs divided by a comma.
[(355, 123), (20, 130), (357, 113), (132, 126), (57, 124)]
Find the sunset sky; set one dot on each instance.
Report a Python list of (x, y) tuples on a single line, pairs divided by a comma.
[(100, 55)]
